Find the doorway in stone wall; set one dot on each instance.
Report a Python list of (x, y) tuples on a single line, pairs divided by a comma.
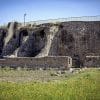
[(76, 62)]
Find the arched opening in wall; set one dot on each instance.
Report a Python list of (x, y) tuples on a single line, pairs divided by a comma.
[(23, 36), (24, 32), (35, 43), (42, 33), (40, 42), (76, 61)]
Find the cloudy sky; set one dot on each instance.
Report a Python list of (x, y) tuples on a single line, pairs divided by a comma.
[(13, 10)]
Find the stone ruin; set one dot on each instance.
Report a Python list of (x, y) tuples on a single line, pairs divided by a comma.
[(79, 40)]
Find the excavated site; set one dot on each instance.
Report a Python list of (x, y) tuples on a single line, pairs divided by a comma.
[(79, 40)]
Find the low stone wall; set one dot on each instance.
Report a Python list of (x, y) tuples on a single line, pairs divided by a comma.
[(62, 62), (92, 61)]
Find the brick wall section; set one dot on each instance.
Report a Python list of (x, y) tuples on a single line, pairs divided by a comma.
[(62, 62)]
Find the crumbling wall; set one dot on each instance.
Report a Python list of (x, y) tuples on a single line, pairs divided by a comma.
[(77, 39), (74, 38)]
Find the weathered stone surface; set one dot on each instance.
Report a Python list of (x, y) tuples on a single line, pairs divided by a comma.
[(60, 62), (3, 33), (77, 39), (33, 45)]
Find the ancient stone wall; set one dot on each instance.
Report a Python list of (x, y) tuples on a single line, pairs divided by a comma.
[(92, 61), (35, 63), (76, 39)]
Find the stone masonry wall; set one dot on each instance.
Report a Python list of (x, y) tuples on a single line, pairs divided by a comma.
[(36, 63), (92, 61)]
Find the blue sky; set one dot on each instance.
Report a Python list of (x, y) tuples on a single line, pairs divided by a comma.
[(13, 10)]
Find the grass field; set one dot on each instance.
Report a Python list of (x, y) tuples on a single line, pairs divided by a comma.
[(46, 85)]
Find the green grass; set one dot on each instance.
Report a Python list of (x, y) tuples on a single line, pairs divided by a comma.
[(82, 86)]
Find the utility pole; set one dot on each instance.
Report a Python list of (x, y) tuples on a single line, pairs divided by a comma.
[(24, 18)]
